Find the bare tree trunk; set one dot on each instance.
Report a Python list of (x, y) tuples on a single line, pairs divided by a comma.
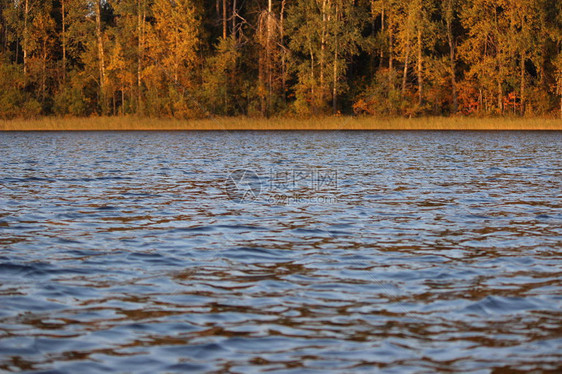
[(499, 76), (560, 80), (480, 100), (139, 54), (141, 9), (390, 57), (500, 97), (101, 55), (269, 56), (44, 73), (335, 82), (405, 76), (390, 28), (382, 30), (2, 29), (218, 10), (452, 54), (283, 55), (420, 68), (312, 78), (224, 19), (25, 37), (63, 13), (322, 48), (261, 79), (335, 88), (560, 91), (522, 94), (234, 14), (266, 33)]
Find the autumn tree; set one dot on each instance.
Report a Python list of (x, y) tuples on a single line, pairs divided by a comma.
[(271, 51), (40, 44), (16, 89), (222, 80), (172, 43), (125, 64), (391, 15), (4, 4), (485, 51), (18, 17), (450, 10), (187, 58), (325, 34), (526, 42), (556, 34)]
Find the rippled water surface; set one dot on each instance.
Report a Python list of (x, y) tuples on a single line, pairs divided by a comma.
[(354, 252)]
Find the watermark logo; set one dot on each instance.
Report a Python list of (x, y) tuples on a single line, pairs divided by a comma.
[(243, 185), (283, 187), (311, 180)]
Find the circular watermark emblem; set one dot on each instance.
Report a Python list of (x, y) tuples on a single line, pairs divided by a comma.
[(243, 185)]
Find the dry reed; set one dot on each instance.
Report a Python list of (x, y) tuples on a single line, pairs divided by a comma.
[(243, 123)]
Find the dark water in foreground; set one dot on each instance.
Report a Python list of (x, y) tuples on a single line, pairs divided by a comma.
[(398, 252)]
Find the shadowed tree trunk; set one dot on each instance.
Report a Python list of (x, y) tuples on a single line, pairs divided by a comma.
[(44, 57), (2, 29), (322, 49), (25, 36), (234, 15), (101, 55), (141, 16), (267, 36), (335, 77), (405, 76), (449, 17), (382, 30), (224, 19), (522, 89), (283, 56), (500, 95), (390, 57), (63, 40), (420, 68)]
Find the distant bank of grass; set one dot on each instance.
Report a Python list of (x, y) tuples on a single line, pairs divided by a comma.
[(242, 123)]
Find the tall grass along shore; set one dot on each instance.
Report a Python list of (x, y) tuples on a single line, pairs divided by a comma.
[(243, 123)]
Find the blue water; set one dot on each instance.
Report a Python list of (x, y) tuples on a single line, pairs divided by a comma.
[(250, 252)]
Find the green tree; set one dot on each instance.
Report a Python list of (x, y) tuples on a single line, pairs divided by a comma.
[(415, 32), (324, 35)]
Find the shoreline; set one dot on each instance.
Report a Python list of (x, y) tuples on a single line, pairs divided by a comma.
[(283, 124)]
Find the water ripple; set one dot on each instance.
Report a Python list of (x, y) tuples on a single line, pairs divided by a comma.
[(418, 252)]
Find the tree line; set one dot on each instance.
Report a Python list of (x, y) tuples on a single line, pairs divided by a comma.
[(195, 58)]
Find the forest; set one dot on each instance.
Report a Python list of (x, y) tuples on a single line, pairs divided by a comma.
[(262, 58)]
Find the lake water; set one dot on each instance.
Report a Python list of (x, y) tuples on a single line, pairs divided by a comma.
[(250, 252)]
